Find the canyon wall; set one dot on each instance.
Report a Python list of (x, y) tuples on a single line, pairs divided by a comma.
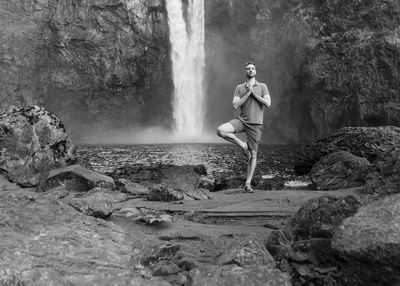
[(97, 64), (104, 65), (328, 64)]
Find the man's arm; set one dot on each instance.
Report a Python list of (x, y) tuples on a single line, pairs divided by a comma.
[(265, 99), (237, 101)]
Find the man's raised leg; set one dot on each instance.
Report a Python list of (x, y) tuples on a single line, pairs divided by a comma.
[(226, 131)]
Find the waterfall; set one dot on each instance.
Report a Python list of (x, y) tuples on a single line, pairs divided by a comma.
[(187, 55)]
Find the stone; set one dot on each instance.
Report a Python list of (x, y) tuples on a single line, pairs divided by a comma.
[(368, 244), (131, 188), (33, 141), (165, 268), (75, 178), (207, 183), (340, 170), (45, 242), (256, 275), (319, 217), (245, 252), (386, 181), (114, 195), (372, 143), (167, 194), (185, 177), (96, 204)]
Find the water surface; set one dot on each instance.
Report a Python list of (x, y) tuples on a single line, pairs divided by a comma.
[(273, 160)]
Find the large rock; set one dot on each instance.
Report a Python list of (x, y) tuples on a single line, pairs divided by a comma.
[(167, 194), (386, 181), (368, 244), (340, 170), (186, 177), (77, 179), (245, 252), (372, 143), (33, 141), (98, 202), (318, 217), (45, 242), (235, 275)]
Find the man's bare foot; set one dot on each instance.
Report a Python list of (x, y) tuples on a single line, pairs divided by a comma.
[(246, 151)]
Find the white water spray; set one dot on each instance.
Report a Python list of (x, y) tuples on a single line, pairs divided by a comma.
[(188, 57)]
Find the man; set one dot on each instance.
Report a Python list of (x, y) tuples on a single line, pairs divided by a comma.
[(251, 97)]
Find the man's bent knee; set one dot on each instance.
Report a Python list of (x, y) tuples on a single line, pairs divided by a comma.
[(224, 129)]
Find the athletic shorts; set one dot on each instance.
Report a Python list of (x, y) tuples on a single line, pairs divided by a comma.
[(253, 132)]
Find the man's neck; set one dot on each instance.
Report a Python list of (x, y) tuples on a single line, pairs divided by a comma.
[(251, 80)]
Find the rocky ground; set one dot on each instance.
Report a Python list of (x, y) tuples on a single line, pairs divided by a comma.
[(61, 223)]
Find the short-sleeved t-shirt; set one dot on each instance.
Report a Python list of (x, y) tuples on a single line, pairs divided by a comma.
[(251, 110)]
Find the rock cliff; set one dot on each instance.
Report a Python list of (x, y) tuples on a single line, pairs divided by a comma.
[(92, 62), (328, 64)]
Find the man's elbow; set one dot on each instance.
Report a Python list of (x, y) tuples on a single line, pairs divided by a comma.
[(235, 106)]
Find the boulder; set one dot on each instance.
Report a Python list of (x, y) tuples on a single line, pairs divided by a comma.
[(185, 177), (368, 244), (167, 194), (256, 275), (318, 217), (387, 180), (77, 179), (372, 143), (33, 141), (340, 170), (99, 205), (131, 188), (114, 195), (247, 251)]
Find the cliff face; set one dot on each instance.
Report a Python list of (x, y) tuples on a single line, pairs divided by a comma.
[(328, 64), (101, 63)]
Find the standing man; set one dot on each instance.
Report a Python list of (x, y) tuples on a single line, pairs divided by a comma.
[(251, 97)]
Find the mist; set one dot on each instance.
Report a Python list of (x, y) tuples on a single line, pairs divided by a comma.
[(142, 135)]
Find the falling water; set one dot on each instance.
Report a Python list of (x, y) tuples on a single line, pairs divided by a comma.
[(187, 55)]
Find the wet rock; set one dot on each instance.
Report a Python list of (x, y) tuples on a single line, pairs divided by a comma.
[(372, 143), (186, 177), (207, 183), (319, 217), (47, 242), (165, 268), (257, 275), (114, 195), (386, 181), (368, 244), (340, 170), (75, 178), (245, 252), (158, 253), (56, 193), (33, 141), (96, 204), (167, 194), (131, 188)]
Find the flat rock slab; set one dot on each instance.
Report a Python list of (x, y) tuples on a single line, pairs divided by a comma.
[(76, 178), (47, 242)]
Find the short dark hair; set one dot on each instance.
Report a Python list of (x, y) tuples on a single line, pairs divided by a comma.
[(249, 63)]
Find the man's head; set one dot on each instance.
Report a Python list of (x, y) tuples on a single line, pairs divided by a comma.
[(250, 69)]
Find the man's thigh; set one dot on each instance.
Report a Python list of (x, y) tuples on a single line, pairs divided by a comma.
[(237, 125)]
